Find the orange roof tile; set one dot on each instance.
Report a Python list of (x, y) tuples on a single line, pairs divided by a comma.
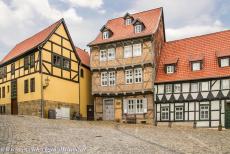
[(120, 31), (30, 43), (206, 45), (84, 56)]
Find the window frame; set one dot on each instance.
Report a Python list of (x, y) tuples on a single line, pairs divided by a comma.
[(112, 78), (103, 53), (138, 75), (26, 62), (138, 28), (3, 92), (166, 89), (112, 52), (168, 71), (105, 35), (32, 85), (129, 76), (32, 60), (225, 58), (54, 62), (137, 49), (130, 51), (104, 78), (180, 111), (13, 69), (203, 111), (194, 64), (26, 86), (193, 83), (128, 21), (174, 88), (63, 63), (165, 113)]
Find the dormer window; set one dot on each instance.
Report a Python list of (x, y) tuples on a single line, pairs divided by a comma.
[(128, 21), (170, 69), (196, 66), (138, 28), (224, 62), (105, 34)]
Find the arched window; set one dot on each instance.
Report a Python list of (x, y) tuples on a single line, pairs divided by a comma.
[(82, 73)]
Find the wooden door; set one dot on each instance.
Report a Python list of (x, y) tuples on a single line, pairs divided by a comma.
[(108, 109), (227, 115), (90, 112), (14, 101)]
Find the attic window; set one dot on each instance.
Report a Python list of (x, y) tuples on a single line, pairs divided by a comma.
[(105, 34), (128, 21), (138, 28), (170, 69), (196, 65), (224, 62)]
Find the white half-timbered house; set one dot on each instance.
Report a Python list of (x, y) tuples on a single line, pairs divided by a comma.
[(193, 81)]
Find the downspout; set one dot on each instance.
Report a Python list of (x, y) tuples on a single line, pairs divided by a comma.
[(42, 90)]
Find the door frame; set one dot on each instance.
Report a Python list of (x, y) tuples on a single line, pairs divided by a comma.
[(105, 99), (225, 119), (15, 99)]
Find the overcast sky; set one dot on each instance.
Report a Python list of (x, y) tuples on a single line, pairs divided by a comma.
[(19, 19)]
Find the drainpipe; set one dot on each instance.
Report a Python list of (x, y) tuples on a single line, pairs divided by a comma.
[(42, 90)]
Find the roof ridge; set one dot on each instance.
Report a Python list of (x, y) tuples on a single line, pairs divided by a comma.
[(192, 37), (134, 13)]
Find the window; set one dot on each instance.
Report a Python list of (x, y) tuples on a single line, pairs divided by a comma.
[(196, 66), (104, 80), (138, 75), (32, 85), (106, 35), (177, 88), (26, 62), (56, 60), (103, 55), (111, 53), (168, 88), (204, 112), (32, 60), (170, 69), (111, 78), (3, 92), (128, 51), (26, 86), (66, 63), (138, 28), (179, 113), (224, 62), (4, 73), (1, 73), (194, 87), (12, 68), (137, 49), (82, 73), (128, 21), (225, 84), (205, 86), (165, 113), (129, 76), (137, 106)]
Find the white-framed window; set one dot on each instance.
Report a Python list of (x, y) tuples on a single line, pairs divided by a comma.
[(129, 76), (135, 106), (105, 34), (165, 113), (128, 21), (204, 112), (177, 88), (196, 66), (179, 113), (170, 69), (225, 84), (224, 62), (103, 55), (137, 49), (194, 87), (138, 75), (112, 78), (137, 28), (168, 88), (111, 53), (127, 51), (205, 86), (104, 78)]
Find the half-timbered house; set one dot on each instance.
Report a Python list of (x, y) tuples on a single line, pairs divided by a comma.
[(41, 73), (123, 62), (193, 81)]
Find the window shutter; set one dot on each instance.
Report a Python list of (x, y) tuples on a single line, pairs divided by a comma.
[(145, 105), (125, 106)]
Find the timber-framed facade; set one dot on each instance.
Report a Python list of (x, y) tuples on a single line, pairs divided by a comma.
[(123, 67), (36, 71)]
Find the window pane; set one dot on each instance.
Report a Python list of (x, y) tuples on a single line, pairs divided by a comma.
[(111, 53), (168, 88), (103, 55), (104, 79), (196, 66), (128, 51), (111, 78), (138, 28), (136, 49), (224, 62), (138, 75), (129, 76), (170, 69), (105, 35), (204, 112), (194, 87), (177, 88)]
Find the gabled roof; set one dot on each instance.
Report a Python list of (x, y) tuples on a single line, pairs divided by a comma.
[(84, 56), (31, 42), (205, 45), (121, 31)]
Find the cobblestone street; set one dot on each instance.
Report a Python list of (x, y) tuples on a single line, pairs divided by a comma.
[(21, 134)]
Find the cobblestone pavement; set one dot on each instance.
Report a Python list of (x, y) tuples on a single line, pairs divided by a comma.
[(25, 134)]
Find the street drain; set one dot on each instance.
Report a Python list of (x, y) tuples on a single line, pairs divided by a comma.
[(98, 136)]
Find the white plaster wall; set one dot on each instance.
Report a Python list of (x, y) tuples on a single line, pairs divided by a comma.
[(185, 87), (160, 89), (216, 86)]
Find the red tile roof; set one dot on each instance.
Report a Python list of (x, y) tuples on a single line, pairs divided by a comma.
[(206, 45), (121, 31), (84, 56), (30, 43)]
